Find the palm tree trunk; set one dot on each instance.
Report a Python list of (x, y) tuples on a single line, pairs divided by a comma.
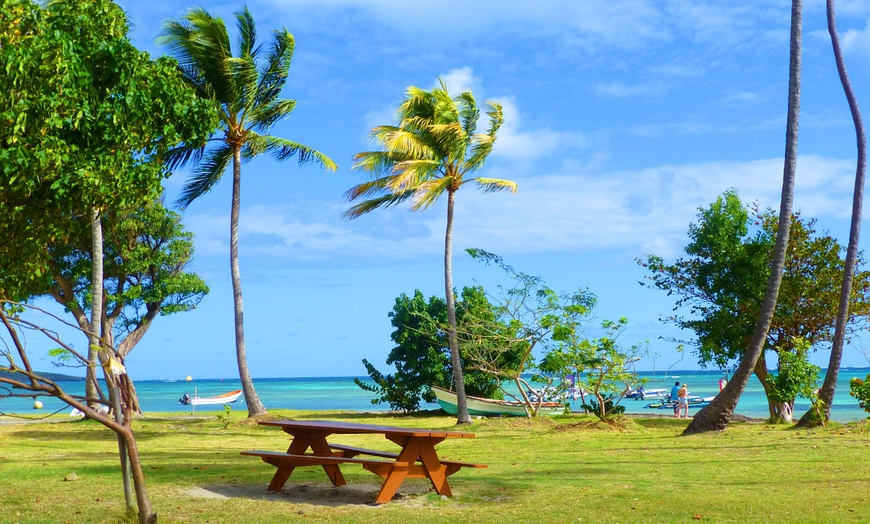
[(826, 393), (715, 416), (462, 416), (92, 388), (255, 407)]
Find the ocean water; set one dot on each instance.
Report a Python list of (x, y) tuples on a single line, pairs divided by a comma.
[(341, 393)]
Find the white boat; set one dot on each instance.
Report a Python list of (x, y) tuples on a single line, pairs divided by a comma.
[(488, 407), (195, 400)]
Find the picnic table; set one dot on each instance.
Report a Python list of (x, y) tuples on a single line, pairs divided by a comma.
[(417, 458)]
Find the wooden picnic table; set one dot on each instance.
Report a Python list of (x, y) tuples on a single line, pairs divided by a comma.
[(417, 458)]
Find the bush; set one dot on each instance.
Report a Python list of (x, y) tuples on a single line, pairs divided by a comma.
[(860, 389)]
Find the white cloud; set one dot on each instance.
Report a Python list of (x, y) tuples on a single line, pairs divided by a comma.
[(515, 142), (635, 211), (460, 79)]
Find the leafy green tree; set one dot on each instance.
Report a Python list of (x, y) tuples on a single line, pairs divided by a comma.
[(795, 377), (826, 392), (605, 366), (721, 285), (246, 89), (860, 389), (84, 116), (432, 149), (144, 275), (530, 321), (421, 355)]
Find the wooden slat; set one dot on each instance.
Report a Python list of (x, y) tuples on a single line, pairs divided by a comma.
[(354, 428)]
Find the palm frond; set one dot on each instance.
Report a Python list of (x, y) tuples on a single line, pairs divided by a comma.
[(430, 191), (179, 156), (247, 34), (265, 114), (273, 75), (409, 174), (374, 162), (367, 189), (493, 185), (282, 149), (468, 113), (407, 144), (375, 203), (245, 79), (207, 174), (482, 144)]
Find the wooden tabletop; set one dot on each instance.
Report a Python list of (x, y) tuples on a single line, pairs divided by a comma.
[(354, 428)]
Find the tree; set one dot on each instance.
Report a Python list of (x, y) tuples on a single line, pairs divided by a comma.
[(530, 321), (422, 356), (715, 415), (84, 117), (722, 282), (795, 377), (246, 89), (604, 365), (144, 275), (826, 392), (431, 150)]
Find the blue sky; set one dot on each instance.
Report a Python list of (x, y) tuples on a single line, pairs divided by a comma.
[(622, 118)]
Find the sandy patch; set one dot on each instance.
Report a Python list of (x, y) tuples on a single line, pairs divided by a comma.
[(325, 494)]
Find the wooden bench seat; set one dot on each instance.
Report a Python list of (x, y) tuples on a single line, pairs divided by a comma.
[(278, 459), (351, 451)]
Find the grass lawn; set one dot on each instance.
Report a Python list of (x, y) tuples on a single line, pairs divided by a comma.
[(553, 470)]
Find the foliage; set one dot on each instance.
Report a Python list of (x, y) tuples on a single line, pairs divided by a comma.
[(604, 366), (722, 282), (245, 88), (83, 116), (421, 356), (146, 252), (860, 389), (795, 377), (433, 149), (530, 321)]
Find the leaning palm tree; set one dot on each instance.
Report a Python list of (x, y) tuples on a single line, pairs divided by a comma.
[(826, 392), (431, 150), (714, 416), (245, 88)]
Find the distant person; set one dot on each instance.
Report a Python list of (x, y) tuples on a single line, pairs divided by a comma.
[(683, 402), (675, 393), (723, 382)]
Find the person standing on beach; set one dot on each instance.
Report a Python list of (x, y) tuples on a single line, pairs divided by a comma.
[(675, 393), (683, 401)]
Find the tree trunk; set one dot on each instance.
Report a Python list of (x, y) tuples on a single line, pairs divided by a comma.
[(462, 416), (255, 407), (715, 416), (146, 516), (761, 372), (92, 389), (826, 393)]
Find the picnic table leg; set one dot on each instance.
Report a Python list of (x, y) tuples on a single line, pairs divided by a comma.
[(299, 445), (414, 449)]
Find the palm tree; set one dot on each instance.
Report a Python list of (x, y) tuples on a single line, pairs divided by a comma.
[(716, 415), (826, 392), (245, 88), (431, 150)]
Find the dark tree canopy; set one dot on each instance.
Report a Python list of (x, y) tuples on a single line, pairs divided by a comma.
[(421, 355)]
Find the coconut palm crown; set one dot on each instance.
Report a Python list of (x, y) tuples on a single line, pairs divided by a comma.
[(431, 150), (246, 89)]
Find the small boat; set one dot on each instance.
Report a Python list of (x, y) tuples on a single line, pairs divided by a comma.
[(488, 407), (694, 402), (647, 394), (195, 400)]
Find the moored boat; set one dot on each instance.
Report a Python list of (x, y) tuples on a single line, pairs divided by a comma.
[(488, 407), (694, 402), (226, 398)]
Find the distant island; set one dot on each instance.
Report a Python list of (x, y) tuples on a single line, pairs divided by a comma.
[(55, 377)]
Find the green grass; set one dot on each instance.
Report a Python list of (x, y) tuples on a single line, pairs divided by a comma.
[(562, 470)]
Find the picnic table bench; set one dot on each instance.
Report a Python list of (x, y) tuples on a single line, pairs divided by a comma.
[(417, 458)]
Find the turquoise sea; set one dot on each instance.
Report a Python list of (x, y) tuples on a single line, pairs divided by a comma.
[(340, 393)]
